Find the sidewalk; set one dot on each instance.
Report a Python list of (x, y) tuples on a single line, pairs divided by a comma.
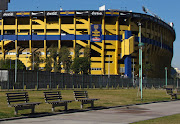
[(116, 115)]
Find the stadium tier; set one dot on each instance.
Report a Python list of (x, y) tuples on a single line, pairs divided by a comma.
[(112, 35)]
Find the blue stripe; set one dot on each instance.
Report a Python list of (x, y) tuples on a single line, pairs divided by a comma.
[(24, 37), (10, 37), (155, 43), (22, 15), (52, 37), (83, 37), (110, 37), (66, 15), (68, 37), (38, 37), (1, 37)]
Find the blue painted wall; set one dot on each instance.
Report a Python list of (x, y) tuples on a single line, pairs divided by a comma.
[(127, 60)]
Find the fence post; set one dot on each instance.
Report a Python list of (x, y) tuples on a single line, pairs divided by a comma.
[(50, 81), (8, 80), (37, 81), (82, 82), (23, 80)]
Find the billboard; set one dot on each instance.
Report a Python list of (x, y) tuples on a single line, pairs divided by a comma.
[(96, 33), (96, 13), (82, 13), (9, 14), (52, 13), (37, 13)]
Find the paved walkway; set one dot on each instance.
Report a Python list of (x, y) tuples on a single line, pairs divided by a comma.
[(116, 115)]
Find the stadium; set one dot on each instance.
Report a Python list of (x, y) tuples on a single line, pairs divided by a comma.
[(112, 36)]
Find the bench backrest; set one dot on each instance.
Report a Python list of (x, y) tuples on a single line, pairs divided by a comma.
[(80, 95), (17, 97), (52, 96), (169, 91)]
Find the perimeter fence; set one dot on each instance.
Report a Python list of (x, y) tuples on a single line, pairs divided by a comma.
[(46, 80)]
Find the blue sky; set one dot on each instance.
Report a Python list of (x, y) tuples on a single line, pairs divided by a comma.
[(166, 9)]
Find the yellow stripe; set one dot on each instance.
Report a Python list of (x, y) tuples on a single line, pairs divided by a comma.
[(66, 12), (26, 13), (113, 13)]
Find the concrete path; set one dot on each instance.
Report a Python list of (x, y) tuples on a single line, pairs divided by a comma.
[(116, 115)]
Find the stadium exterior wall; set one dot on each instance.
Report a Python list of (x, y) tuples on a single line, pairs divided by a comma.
[(112, 36)]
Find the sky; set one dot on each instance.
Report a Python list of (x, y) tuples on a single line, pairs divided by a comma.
[(166, 9)]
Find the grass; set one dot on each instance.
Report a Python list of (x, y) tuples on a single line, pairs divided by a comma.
[(173, 119), (108, 97)]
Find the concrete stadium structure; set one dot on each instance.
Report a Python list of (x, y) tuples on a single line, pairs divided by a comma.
[(112, 35)]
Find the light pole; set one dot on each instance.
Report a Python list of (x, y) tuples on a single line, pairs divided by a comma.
[(166, 75), (140, 45)]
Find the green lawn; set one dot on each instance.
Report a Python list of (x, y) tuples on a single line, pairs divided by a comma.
[(173, 119), (108, 97)]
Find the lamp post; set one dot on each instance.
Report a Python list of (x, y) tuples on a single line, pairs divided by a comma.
[(140, 45), (166, 75)]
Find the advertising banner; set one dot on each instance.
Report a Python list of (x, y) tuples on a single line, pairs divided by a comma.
[(96, 13), (37, 13), (52, 13), (82, 13), (23, 14), (9, 14), (96, 33)]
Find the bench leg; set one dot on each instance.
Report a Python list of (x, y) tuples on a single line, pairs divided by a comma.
[(16, 111), (65, 106), (81, 105), (32, 109), (92, 104), (53, 110), (175, 96)]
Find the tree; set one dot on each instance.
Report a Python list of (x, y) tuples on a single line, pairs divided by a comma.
[(65, 58), (10, 64), (35, 59), (82, 64), (48, 64)]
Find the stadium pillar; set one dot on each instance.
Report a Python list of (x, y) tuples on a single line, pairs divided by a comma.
[(2, 42), (127, 60), (117, 48), (59, 41), (30, 41), (45, 35), (2, 48), (74, 41), (89, 29), (103, 45)]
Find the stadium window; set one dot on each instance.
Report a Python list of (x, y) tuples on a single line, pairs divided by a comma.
[(52, 19), (23, 21), (9, 21), (67, 20)]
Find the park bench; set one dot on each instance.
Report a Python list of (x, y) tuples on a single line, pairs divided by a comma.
[(170, 92), (55, 99), (82, 96), (20, 101)]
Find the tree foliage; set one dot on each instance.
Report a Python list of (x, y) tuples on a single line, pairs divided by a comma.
[(35, 59), (65, 58), (82, 64), (10, 64)]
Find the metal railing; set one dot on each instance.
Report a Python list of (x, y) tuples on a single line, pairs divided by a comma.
[(44, 80)]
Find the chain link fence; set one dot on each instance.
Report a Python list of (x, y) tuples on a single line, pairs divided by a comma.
[(46, 80)]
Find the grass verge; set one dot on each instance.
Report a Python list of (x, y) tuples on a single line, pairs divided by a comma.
[(108, 97)]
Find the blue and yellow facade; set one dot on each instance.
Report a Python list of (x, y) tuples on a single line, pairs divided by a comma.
[(112, 36)]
